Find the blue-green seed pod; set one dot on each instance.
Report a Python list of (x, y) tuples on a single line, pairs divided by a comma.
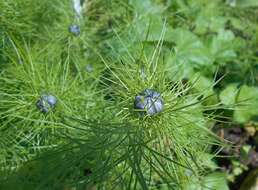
[(74, 29), (149, 101), (46, 103), (89, 68)]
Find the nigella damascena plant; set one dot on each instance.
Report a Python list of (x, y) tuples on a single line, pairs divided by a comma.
[(149, 102), (46, 103), (74, 29)]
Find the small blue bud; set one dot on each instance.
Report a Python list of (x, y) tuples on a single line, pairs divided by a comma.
[(149, 101), (46, 102), (89, 68), (75, 29), (50, 99)]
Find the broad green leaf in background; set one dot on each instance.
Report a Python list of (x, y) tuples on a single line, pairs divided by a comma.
[(222, 46), (190, 50), (211, 24), (151, 26), (178, 69), (228, 95), (204, 85), (148, 20), (214, 181), (209, 162), (146, 7), (246, 3), (210, 18), (248, 96)]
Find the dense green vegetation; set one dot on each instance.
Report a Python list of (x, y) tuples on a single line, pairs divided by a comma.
[(128, 94)]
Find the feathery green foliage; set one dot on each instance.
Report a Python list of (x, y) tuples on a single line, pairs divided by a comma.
[(95, 138)]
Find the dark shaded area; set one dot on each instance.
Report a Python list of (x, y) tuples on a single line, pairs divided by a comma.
[(239, 137)]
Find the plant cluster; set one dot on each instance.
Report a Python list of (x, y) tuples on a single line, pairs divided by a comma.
[(122, 94)]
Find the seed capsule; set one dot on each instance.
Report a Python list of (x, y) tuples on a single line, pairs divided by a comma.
[(46, 103), (149, 101), (74, 29), (89, 68)]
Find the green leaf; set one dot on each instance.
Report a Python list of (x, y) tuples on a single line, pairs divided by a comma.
[(244, 151), (151, 25), (228, 95), (203, 83), (209, 18), (145, 7), (178, 69), (204, 86), (246, 3), (248, 97), (214, 24), (148, 20), (222, 46), (189, 48), (214, 181)]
